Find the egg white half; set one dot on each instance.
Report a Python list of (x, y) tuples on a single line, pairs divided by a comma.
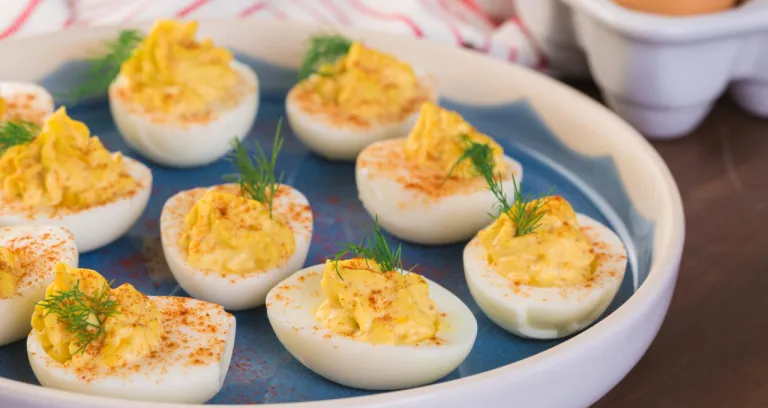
[(93, 227), (190, 367), (40, 248), (548, 313), (26, 100), (344, 142), (411, 214), (291, 309), (234, 292), (190, 144)]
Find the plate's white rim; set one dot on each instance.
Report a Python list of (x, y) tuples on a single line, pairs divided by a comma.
[(661, 277)]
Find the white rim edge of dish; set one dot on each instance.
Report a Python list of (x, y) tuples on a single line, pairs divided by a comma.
[(651, 299)]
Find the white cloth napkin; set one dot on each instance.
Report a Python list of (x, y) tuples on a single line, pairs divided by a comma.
[(457, 22)]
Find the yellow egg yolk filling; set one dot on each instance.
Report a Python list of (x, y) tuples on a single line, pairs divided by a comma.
[(64, 167), (131, 331), (10, 272), (440, 138), (230, 234), (367, 85), (3, 108), (379, 307), (171, 72), (557, 253)]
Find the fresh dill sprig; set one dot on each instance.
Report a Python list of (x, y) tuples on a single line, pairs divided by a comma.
[(105, 68), (77, 311), (373, 248), (525, 211), (323, 49), (14, 133), (525, 214), (258, 180)]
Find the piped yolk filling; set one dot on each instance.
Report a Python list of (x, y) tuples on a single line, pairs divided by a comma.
[(366, 85), (64, 167), (171, 72), (379, 307), (231, 234), (131, 333), (440, 138), (11, 272), (556, 254)]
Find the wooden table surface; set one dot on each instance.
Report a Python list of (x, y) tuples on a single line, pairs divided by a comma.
[(711, 350)]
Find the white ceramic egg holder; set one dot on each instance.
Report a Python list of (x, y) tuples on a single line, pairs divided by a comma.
[(661, 74)]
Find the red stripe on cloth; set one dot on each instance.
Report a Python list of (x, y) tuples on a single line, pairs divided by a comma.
[(478, 12), (336, 11), (22, 18), (448, 22), (310, 10), (72, 13), (191, 7), (542, 62), (486, 36), (512, 55), (384, 16), (252, 9)]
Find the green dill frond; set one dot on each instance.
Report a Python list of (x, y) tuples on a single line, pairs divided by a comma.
[(76, 310), (479, 154), (374, 248), (258, 180), (14, 133), (323, 49), (525, 217), (105, 68)]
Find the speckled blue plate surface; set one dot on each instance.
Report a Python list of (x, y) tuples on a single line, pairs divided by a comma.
[(262, 371)]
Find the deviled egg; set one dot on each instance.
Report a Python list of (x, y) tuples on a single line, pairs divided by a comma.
[(92, 339), (230, 244), (23, 101), (542, 271), (179, 101), (28, 255), (353, 96), (66, 177), (367, 323), (426, 188)]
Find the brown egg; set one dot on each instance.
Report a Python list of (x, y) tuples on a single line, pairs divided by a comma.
[(678, 7)]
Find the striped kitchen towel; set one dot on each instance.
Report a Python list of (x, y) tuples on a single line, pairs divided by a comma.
[(458, 22)]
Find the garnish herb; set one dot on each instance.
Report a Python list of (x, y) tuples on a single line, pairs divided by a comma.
[(83, 315), (376, 249), (323, 49), (14, 133), (524, 215), (105, 68), (258, 180)]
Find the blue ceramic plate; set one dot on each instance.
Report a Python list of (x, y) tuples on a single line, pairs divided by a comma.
[(262, 371)]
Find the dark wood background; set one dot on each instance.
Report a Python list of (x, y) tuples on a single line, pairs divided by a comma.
[(712, 349)]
